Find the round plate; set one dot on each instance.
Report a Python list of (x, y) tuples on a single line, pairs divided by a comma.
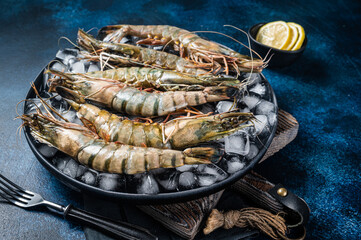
[(144, 198)]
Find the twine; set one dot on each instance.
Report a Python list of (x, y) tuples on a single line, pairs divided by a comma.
[(272, 225)]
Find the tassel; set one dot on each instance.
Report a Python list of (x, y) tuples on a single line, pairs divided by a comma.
[(272, 225)]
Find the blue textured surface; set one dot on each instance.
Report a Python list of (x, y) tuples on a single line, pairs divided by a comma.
[(322, 90)]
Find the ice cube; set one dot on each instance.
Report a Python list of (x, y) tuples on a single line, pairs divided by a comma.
[(234, 165), (110, 182), (272, 118), (259, 89), (253, 151), (67, 54), (33, 104), (264, 108), (237, 143), (71, 52), (71, 168), (225, 106), (58, 67), (86, 64), (81, 170), (93, 67), (77, 121), (77, 67), (148, 185), (59, 104), (124, 40), (214, 170), (260, 124), (60, 54), (89, 178), (69, 115), (187, 180), (253, 77), (206, 180), (168, 180), (251, 101), (47, 151), (60, 161), (186, 168)]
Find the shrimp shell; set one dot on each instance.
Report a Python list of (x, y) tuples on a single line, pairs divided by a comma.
[(189, 45), (133, 101), (146, 77), (175, 134), (81, 144), (126, 54)]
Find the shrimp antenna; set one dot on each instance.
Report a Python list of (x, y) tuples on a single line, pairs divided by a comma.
[(91, 29), (235, 41), (223, 34), (17, 105), (55, 60), (68, 41), (47, 105), (249, 42), (249, 47), (251, 50), (167, 44)]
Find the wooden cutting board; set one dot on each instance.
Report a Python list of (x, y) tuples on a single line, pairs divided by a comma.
[(185, 219)]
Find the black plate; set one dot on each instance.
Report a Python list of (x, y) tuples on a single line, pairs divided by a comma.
[(143, 198)]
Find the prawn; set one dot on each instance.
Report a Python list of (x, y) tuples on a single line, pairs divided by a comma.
[(178, 133), (129, 55), (82, 144), (188, 44), (161, 79), (130, 100)]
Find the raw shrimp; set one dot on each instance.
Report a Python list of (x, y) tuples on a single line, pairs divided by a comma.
[(81, 144), (121, 98), (161, 79), (189, 45), (129, 55), (175, 134)]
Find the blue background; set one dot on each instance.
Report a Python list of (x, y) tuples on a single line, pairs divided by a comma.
[(322, 90)]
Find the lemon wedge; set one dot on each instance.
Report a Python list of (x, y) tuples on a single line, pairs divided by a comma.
[(294, 36), (301, 36), (275, 34)]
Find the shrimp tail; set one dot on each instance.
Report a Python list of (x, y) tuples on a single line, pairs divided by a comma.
[(207, 154)]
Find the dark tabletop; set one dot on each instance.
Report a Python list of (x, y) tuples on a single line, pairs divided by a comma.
[(322, 90)]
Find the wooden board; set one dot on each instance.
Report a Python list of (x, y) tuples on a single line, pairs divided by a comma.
[(185, 219)]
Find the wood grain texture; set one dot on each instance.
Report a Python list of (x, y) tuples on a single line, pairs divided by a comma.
[(286, 131), (185, 219)]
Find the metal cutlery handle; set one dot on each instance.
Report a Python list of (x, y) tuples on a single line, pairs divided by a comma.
[(115, 229)]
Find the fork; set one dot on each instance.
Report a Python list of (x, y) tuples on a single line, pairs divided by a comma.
[(26, 199)]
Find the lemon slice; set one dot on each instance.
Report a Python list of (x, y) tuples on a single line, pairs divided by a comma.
[(294, 36), (275, 34), (301, 36)]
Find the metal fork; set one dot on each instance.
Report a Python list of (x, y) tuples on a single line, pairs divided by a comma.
[(26, 199)]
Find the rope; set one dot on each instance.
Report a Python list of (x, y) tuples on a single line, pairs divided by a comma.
[(272, 225)]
